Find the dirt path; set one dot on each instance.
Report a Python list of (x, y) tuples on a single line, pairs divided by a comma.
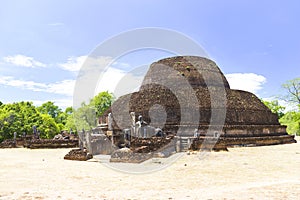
[(271, 172)]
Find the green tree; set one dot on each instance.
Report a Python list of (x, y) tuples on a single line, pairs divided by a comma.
[(51, 109), (61, 118), (292, 118), (55, 112), (85, 117), (66, 120), (69, 110), (47, 126), (275, 107), (7, 124), (102, 102), (70, 123), (292, 121), (293, 90), (1, 103), (21, 117)]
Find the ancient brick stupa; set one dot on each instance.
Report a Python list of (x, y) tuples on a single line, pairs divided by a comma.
[(189, 93)]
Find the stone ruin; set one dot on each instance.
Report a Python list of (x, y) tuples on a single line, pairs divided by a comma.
[(247, 121), (33, 141)]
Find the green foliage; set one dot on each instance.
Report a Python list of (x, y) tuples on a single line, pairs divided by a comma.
[(275, 107), (21, 117), (70, 123), (61, 118), (7, 128), (293, 90), (85, 117), (47, 126), (49, 118), (56, 113), (102, 102), (69, 110), (50, 109), (292, 121)]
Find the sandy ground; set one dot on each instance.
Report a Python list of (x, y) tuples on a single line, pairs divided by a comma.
[(270, 172)]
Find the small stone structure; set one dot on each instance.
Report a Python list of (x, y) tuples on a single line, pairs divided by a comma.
[(126, 155), (96, 142), (78, 154)]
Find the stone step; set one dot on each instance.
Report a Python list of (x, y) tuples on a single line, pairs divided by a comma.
[(184, 145)]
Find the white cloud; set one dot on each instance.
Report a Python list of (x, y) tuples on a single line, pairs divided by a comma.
[(109, 80), (246, 81), (73, 64), (30, 85), (120, 65), (118, 82), (65, 87), (24, 61), (121, 82), (86, 63), (96, 74)]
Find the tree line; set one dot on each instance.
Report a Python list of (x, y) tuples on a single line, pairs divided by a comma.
[(20, 117), (292, 97)]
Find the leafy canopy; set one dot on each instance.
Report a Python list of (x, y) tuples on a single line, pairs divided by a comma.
[(292, 121), (275, 107), (102, 102), (292, 118), (21, 117)]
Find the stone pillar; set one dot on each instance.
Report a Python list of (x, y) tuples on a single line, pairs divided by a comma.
[(109, 122), (88, 141), (178, 144), (34, 131), (133, 131), (80, 141), (110, 128), (144, 131), (15, 136)]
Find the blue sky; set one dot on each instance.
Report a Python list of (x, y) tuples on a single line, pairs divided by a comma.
[(43, 43)]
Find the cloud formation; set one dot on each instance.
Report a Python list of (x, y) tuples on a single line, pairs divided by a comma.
[(87, 63), (64, 87), (23, 61), (246, 81), (73, 64)]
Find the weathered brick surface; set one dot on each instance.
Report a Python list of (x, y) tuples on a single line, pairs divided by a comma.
[(246, 115)]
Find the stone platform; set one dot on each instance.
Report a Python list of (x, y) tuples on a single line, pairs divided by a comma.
[(50, 144)]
